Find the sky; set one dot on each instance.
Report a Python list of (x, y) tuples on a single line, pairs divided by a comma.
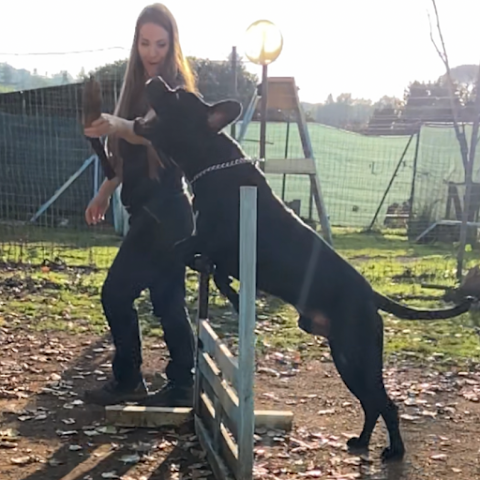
[(369, 48)]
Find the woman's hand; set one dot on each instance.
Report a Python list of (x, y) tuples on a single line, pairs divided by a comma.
[(97, 208), (107, 124), (110, 124)]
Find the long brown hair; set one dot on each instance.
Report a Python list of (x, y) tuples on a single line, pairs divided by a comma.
[(175, 71)]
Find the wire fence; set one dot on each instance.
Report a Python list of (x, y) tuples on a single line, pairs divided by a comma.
[(406, 179)]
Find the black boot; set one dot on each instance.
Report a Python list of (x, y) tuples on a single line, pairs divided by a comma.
[(113, 393), (170, 395)]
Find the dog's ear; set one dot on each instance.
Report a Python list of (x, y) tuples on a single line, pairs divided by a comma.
[(156, 88), (223, 113)]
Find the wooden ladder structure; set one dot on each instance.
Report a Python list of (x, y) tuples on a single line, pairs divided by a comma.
[(283, 95)]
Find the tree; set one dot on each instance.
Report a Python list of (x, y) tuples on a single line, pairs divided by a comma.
[(389, 102), (467, 151), (111, 71), (6, 74), (214, 78), (463, 75), (82, 75), (345, 98), (344, 112)]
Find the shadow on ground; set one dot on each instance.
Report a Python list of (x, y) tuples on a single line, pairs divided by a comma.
[(110, 453)]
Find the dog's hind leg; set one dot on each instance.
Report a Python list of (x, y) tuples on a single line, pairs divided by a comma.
[(224, 285), (357, 350)]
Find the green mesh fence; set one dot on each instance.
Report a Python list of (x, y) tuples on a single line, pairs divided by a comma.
[(439, 163), (355, 171), (42, 147)]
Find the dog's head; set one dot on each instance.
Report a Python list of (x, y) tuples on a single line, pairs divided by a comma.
[(185, 125)]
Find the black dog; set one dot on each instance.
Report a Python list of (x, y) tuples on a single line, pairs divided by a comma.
[(293, 262)]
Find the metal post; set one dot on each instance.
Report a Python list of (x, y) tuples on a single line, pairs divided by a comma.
[(234, 86), (246, 358), (284, 179), (263, 115), (372, 223), (414, 178)]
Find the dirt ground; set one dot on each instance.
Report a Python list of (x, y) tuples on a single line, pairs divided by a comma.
[(46, 433)]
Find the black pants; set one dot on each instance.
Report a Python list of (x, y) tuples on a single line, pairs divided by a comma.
[(145, 260)]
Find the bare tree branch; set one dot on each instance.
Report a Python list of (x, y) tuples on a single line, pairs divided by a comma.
[(468, 155), (440, 54), (469, 178), (462, 140)]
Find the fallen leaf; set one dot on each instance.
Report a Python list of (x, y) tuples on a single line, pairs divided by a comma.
[(439, 456), (8, 444), (311, 474), (63, 433), (24, 418), (108, 430), (9, 433), (134, 458), (329, 411), (410, 418), (110, 475), (21, 460)]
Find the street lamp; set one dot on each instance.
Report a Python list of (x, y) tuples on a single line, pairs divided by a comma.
[(264, 43)]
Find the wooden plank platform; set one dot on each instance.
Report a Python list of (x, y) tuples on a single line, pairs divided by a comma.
[(146, 417), (156, 417), (291, 166)]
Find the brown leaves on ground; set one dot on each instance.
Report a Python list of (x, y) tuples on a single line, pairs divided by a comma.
[(47, 432)]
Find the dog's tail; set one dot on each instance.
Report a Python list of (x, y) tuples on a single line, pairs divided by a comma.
[(408, 313)]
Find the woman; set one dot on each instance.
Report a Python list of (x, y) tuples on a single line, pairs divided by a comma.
[(160, 213)]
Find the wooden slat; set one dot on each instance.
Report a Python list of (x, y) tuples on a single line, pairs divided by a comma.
[(212, 344), (218, 466), (146, 417), (214, 413), (222, 390), (226, 446), (291, 166)]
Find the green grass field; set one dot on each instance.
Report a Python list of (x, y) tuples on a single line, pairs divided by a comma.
[(354, 169), (67, 298)]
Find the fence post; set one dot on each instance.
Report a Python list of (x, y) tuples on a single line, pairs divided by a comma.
[(246, 360)]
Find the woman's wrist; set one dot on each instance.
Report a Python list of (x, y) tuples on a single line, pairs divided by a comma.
[(125, 128)]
